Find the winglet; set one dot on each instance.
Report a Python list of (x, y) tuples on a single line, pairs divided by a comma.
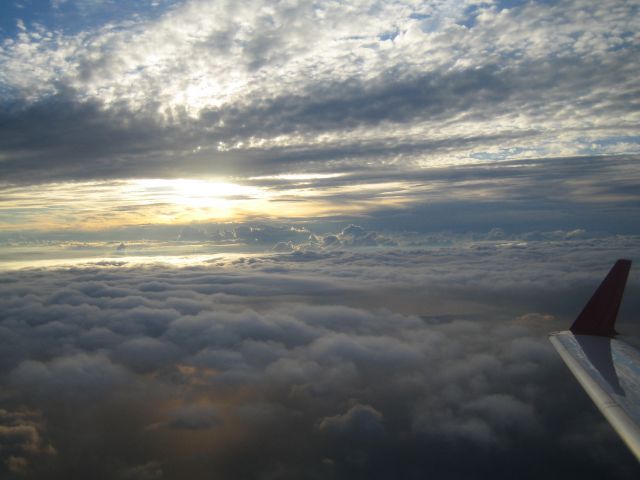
[(599, 315)]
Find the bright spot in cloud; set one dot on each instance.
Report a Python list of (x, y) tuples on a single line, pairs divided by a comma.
[(213, 195)]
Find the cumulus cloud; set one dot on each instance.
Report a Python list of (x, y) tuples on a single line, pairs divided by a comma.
[(337, 362), (354, 235)]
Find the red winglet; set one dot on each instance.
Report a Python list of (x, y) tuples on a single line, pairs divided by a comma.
[(599, 315)]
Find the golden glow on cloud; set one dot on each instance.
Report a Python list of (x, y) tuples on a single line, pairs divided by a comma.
[(213, 198), (111, 204), (98, 205)]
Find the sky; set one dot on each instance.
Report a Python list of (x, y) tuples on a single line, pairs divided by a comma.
[(284, 239), (116, 114)]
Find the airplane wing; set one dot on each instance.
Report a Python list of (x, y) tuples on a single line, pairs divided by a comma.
[(606, 367)]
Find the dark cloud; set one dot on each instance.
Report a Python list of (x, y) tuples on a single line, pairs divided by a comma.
[(23, 440), (66, 134)]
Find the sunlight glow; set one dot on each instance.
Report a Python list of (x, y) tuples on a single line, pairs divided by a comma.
[(102, 205), (188, 200), (194, 193)]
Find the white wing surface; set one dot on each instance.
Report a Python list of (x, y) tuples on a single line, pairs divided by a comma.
[(606, 367)]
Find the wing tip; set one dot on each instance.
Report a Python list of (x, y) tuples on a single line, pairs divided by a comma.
[(601, 311)]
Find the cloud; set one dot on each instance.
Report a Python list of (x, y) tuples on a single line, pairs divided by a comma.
[(147, 471), (222, 89), (590, 194), (394, 359), (145, 354), (359, 420), (194, 417), (70, 376), (23, 440), (283, 247), (354, 235)]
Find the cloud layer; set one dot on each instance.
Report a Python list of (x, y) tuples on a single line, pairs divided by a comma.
[(338, 364), (597, 194)]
